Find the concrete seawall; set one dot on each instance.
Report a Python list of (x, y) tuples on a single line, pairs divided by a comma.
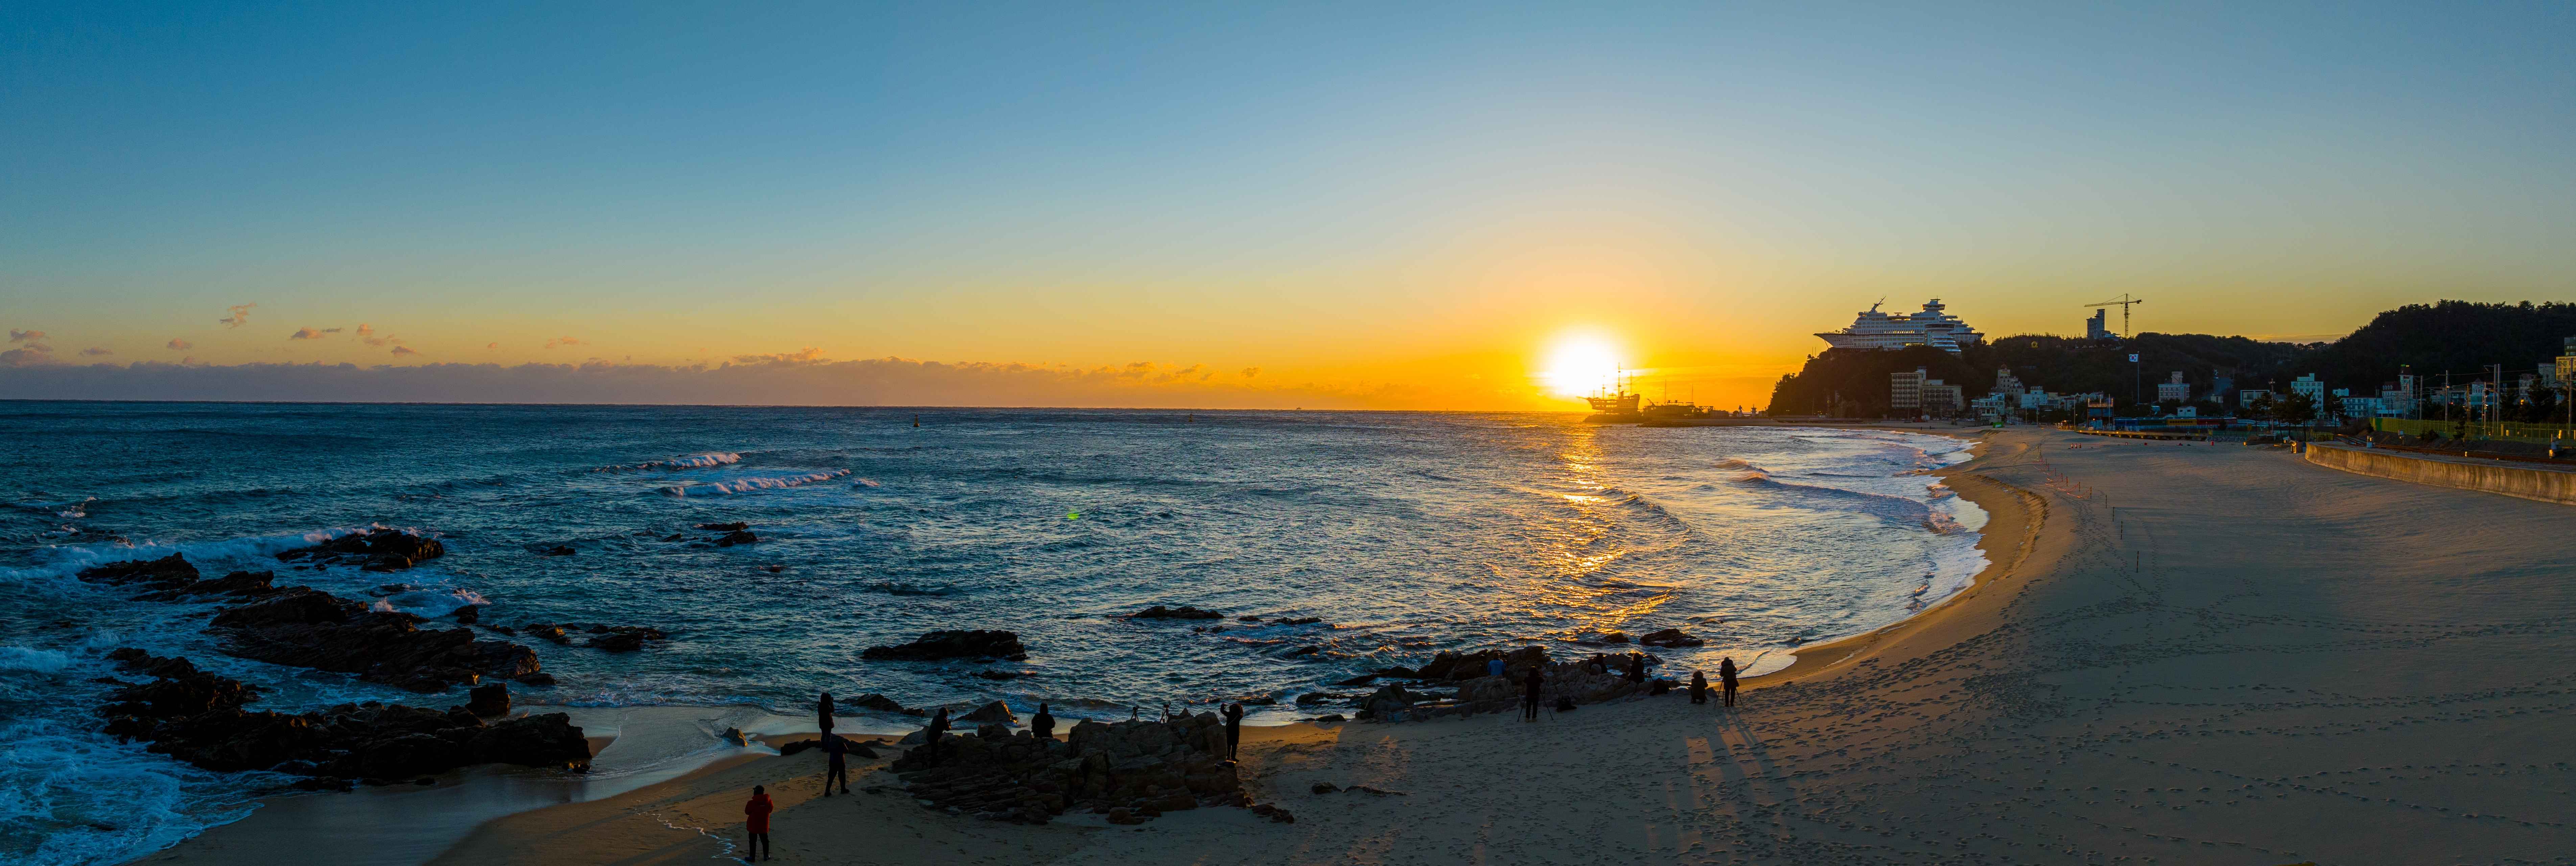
[(2546, 485)]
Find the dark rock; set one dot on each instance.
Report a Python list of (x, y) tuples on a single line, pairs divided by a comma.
[(1304, 651), (199, 718), (1247, 618), (537, 678), (992, 712), (373, 550), (1328, 719), (1313, 698), (240, 584), (469, 614), (1671, 637), (547, 631), (560, 550), (1325, 788), (304, 627), (491, 700), (736, 526), (952, 644), (881, 703), (1182, 612), (1303, 620), (675, 537), (799, 746), (1461, 666), (167, 573), (737, 537), (1130, 770), (622, 642), (998, 675)]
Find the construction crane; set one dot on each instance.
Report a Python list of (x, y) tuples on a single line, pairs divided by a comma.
[(2124, 302)]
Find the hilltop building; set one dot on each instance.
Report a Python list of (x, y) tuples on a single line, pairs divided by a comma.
[(1928, 396), (1933, 327), (2098, 327), (2176, 389)]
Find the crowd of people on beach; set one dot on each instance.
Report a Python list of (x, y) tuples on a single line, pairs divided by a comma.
[(836, 749)]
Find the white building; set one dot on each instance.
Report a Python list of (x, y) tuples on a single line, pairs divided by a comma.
[(2308, 386), (2174, 389), (1932, 327)]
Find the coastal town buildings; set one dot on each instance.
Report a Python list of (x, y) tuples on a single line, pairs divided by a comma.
[(2174, 389), (2308, 386), (2098, 327)]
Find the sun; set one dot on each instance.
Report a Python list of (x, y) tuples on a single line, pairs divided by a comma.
[(1579, 364)]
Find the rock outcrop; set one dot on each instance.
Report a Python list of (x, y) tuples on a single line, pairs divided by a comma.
[(166, 574), (1459, 666), (373, 550), (1671, 637), (610, 638), (1182, 612), (882, 704), (953, 644), (200, 718), (305, 627), (1130, 771)]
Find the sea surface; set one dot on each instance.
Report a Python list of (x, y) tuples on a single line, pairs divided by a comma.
[(1405, 533)]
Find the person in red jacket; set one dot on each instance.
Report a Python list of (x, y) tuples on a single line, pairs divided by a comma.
[(756, 824)]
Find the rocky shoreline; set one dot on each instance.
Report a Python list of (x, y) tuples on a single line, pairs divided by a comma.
[(203, 719)]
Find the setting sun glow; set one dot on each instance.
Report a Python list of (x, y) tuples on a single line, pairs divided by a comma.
[(1579, 364)]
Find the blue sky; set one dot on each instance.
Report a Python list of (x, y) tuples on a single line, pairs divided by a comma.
[(1433, 189)]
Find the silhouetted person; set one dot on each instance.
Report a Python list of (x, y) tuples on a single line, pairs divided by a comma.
[(836, 765), (756, 825), (1699, 687), (938, 730), (1529, 695), (1637, 667), (1042, 724), (1233, 729), (1726, 677), (823, 713)]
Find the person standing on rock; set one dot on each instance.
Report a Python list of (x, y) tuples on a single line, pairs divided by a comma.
[(1726, 677), (823, 713), (1637, 667), (1529, 695), (1233, 729), (1042, 724), (755, 824), (938, 729), (836, 766), (1699, 687)]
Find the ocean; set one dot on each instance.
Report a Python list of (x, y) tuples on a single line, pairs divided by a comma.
[(1403, 533)]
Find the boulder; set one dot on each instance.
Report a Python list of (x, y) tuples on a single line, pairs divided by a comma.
[(469, 614), (736, 537), (1182, 612), (559, 550), (373, 550), (1459, 666), (167, 573), (491, 700), (1135, 770), (621, 642), (1303, 620), (549, 740), (736, 526), (953, 644), (1389, 697), (882, 704), (1671, 637), (992, 712)]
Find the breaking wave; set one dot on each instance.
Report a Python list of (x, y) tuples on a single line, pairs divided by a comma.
[(705, 460), (747, 485)]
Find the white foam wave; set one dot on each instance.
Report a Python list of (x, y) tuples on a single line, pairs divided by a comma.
[(430, 603), (18, 659), (701, 460), (747, 485), (78, 799), (62, 561)]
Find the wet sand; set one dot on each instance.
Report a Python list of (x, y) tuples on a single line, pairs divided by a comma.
[(2181, 653)]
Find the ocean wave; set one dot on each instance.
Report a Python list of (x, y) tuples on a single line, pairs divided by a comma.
[(1896, 509), (78, 799), (61, 562), (701, 460), (747, 485), (430, 603)]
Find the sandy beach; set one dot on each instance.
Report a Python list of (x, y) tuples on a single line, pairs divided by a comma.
[(2181, 653)]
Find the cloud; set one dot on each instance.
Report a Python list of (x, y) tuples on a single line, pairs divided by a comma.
[(404, 350), (1249, 372), (27, 357), (179, 345), (492, 345), (18, 336), (311, 334), (791, 379), (807, 355), (96, 351), (240, 316), (560, 341)]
